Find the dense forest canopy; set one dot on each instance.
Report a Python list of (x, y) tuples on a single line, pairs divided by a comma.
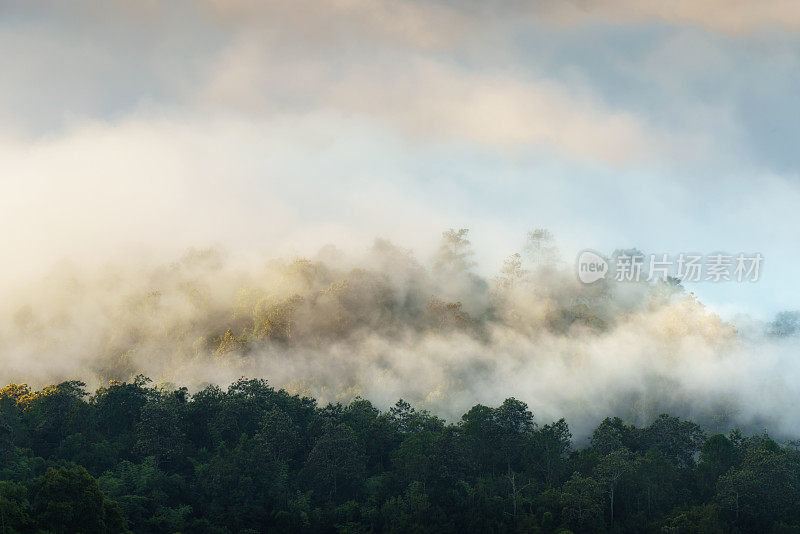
[(385, 325), (133, 456)]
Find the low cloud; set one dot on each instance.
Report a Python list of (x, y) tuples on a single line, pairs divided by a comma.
[(383, 325)]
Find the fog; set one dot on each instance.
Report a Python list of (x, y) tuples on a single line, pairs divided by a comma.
[(384, 324)]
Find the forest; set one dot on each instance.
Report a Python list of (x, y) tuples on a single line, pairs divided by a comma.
[(387, 323), (139, 457), (530, 402)]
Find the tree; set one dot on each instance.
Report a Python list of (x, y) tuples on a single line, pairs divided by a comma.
[(717, 456), (696, 520), (69, 500), (241, 487), (454, 252), (548, 448), (764, 489), (514, 427), (582, 508), (118, 408), (51, 412), (786, 323), (410, 512), (336, 463), (159, 432), (14, 508), (279, 436), (415, 458), (540, 248), (678, 440), (477, 429), (610, 471), (613, 435), (511, 273)]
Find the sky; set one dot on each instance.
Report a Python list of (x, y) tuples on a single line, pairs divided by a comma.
[(277, 127)]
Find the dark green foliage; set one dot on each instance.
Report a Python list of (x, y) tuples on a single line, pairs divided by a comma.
[(134, 457), (70, 500)]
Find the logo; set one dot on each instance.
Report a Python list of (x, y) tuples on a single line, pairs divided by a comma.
[(591, 267), (634, 266)]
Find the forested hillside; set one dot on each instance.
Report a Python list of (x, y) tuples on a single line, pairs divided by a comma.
[(136, 457), (383, 324)]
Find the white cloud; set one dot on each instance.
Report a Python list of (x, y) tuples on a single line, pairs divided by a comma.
[(278, 185), (430, 99), (738, 17), (407, 64)]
